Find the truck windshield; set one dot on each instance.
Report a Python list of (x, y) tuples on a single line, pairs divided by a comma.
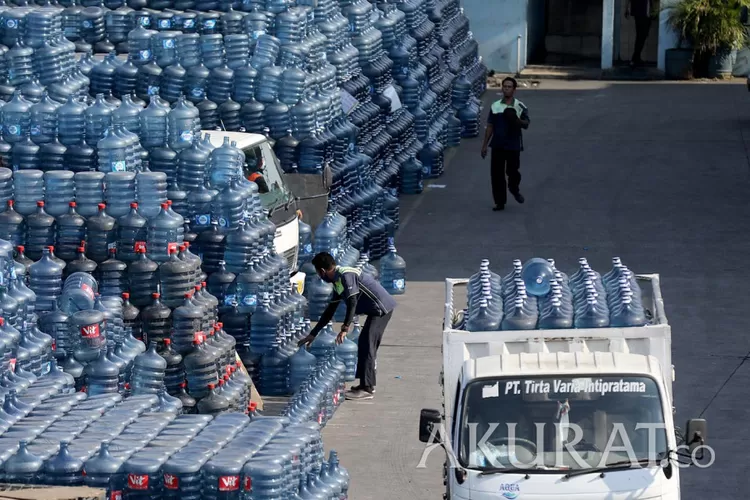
[(262, 167), (561, 423)]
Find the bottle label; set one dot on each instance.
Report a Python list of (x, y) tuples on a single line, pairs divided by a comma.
[(229, 483), (144, 55), (211, 23), (165, 23), (171, 247), (203, 219), (189, 23), (46, 367), (11, 23), (186, 135), (168, 43), (223, 222), (308, 248), (91, 332), (139, 245), (119, 166), (115, 495), (250, 300), (36, 130), (138, 481), (230, 300), (171, 482), (87, 24), (145, 21), (399, 284), (14, 130), (197, 92), (89, 291), (153, 90)]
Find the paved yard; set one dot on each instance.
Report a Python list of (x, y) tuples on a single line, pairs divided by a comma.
[(656, 173)]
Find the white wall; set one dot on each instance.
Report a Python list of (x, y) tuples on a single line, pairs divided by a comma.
[(496, 25), (668, 39)]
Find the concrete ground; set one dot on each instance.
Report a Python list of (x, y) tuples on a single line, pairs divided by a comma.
[(656, 173)]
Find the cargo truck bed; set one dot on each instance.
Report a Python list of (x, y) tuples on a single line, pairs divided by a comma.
[(654, 339)]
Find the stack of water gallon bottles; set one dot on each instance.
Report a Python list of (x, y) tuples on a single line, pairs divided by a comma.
[(586, 299)]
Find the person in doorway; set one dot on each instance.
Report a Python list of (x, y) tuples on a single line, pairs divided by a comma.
[(643, 11), (363, 295), (504, 123)]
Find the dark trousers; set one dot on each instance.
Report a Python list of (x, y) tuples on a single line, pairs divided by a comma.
[(368, 344), (505, 162), (642, 28)]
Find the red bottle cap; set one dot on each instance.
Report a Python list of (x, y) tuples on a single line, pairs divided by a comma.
[(101, 206), (39, 203), (72, 204), (134, 205), (126, 295), (155, 295)]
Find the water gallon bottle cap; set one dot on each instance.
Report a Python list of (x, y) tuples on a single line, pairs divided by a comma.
[(253, 405), (183, 384), (113, 251), (167, 341), (155, 295), (125, 295), (133, 205), (21, 248), (51, 248), (221, 382), (72, 204), (211, 386), (81, 249), (101, 206), (39, 203), (219, 325), (2, 321), (183, 248), (203, 284), (11, 203), (169, 203), (164, 206)]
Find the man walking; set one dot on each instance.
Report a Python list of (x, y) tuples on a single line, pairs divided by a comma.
[(643, 11), (504, 123), (363, 295)]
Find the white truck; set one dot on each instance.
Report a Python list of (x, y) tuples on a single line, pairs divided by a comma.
[(573, 414), (280, 200)]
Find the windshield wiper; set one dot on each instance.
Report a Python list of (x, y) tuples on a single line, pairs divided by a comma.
[(621, 465), (511, 470)]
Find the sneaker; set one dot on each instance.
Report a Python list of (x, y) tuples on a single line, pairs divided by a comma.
[(360, 388), (358, 395), (519, 197)]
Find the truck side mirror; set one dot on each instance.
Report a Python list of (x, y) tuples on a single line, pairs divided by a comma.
[(428, 419), (696, 432)]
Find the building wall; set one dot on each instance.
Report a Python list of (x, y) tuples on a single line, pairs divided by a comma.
[(496, 25), (497, 30)]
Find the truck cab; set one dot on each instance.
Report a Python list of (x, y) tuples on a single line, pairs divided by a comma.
[(580, 414), (278, 199)]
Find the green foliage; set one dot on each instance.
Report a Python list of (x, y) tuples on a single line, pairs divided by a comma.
[(709, 26)]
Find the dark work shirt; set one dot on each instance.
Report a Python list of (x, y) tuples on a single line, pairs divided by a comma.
[(503, 135), (372, 298)]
